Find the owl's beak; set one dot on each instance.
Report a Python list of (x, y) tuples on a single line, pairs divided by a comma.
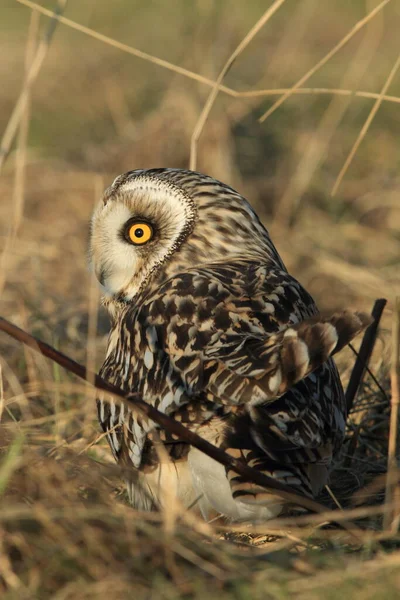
[(98, 271), (101, 276)]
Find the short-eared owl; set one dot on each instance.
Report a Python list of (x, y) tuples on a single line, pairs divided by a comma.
[(209, 327)]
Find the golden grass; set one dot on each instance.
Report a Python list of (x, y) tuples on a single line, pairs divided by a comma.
[(66, 529)]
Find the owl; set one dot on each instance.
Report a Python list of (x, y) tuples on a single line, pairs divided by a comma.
[(209, 327)]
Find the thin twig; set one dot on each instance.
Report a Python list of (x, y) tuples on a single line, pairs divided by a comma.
[(366, 125), (375, 380), (390, 517), (359, 25), (124, 47), (332, 495), (364, 354), (214, 92), (135, 403)]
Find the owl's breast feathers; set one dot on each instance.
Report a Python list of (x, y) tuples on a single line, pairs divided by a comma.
[(233, 341)]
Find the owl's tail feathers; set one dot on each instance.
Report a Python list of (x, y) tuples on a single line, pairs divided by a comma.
[(295, 352)]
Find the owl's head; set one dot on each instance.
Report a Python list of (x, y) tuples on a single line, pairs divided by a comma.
[(167, 220)]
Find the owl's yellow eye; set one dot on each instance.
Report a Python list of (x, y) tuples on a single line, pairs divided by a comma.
[(140, 233)]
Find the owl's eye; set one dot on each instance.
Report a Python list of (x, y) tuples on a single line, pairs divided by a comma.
[(139, 232)]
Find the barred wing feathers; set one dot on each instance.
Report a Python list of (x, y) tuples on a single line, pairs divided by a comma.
[(224, 337)]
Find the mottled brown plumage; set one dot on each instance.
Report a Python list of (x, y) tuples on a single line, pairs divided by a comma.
[(210, 328)]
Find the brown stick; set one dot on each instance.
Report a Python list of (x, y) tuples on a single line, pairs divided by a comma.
[(364, 354), (133, 402)]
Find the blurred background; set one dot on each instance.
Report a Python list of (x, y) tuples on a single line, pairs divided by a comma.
[(98, 107)]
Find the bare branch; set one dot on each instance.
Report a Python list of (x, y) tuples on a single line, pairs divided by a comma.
[(135, 403), (364, 354)]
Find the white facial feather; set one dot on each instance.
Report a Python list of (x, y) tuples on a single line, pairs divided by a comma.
[(110, 253), (120, 266)]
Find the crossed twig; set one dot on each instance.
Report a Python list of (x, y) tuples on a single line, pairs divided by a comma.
[(134, 402)]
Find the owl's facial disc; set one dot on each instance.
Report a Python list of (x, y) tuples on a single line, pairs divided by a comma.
[(137, 225)]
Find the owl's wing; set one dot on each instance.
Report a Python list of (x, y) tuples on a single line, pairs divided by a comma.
[(225, 336), (250, 335), (245, 334)]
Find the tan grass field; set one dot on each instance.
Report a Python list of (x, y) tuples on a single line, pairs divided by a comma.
[(132, 84)]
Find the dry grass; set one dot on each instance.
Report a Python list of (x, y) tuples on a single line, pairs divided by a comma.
[(94, 111)]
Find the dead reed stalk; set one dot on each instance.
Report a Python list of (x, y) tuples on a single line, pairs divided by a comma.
[(391, 517)]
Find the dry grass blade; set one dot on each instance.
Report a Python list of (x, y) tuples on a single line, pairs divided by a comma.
[(326, 580), (124, 47), (2, 401), (332, 495), (20, 162), (11, 462), (359, 25), (366, 125), (30, 78), (392, 490), (93, 310), (18, 199), (313, 91), (316, 151), (214, 92)]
